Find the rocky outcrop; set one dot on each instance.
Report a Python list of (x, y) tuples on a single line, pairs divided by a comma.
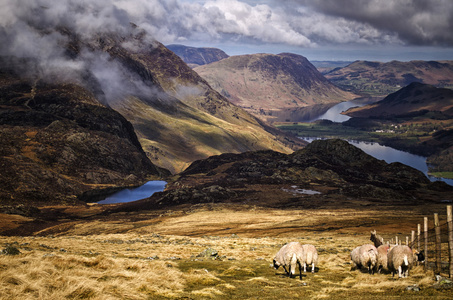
[(334, 165)]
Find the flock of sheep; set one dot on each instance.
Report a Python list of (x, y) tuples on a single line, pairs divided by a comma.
[(376, 258)]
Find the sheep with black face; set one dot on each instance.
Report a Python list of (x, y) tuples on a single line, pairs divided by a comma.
[(290, 255)]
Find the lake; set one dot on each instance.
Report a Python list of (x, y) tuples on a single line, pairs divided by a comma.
[(334, 113), (141, 192), (389, 155), (374, 149)]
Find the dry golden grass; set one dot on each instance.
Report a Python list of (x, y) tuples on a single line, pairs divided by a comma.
[(157, 259)]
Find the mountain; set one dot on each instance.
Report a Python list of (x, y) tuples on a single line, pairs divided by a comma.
[(380, 79), (267, 84), (182, 119), (197, 56), (412, 99), (111, 110), (57, 142)]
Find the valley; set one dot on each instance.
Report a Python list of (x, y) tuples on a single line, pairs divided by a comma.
[(134, 170)]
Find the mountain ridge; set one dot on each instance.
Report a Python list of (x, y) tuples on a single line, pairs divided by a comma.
[(197, 56), (265, 84), (383, 78), (415, 97)]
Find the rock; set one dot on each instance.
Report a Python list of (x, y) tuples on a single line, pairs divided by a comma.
[(10, 250), (209, 253), (414, 288)]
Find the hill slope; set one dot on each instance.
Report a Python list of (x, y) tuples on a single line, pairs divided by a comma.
[(197, 56), (266, 84), (181, 118), (379, 79), (415, 97), (57, 142)]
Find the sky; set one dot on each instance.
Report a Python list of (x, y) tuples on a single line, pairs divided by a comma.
[(380, 30)]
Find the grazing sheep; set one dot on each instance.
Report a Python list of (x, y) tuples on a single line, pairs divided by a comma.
[(310, 257), (400, 259), (290, 255), (382, 252), (420, 255), (365, 256), (376, 239)]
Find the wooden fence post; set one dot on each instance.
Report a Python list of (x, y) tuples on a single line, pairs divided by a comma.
[(396, 240), (425, 234), (450, 239), (413, 239), (407, 240), (438, 244), (419, 233)]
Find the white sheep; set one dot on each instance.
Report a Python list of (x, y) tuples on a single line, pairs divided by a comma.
[(365, 256), (310, 257), (290, 255), (382, 252), (400, 259)]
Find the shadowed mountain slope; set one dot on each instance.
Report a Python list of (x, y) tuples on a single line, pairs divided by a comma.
[(324, 172), (416, 97), (197, 56), (57, 142), (265, 84)]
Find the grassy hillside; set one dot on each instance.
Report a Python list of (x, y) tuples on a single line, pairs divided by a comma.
[(158, 255)]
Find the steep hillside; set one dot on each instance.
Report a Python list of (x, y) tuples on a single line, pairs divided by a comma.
[(379, 79), (197, 56), (265, 84), (180, 118), (416, 97), (57, 142)]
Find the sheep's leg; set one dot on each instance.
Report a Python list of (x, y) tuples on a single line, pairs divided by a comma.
[(399, 271), (313, 267), (305, 267), (300, 270), (286, 271)]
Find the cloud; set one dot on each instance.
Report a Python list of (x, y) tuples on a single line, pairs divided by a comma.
[(414, 22)]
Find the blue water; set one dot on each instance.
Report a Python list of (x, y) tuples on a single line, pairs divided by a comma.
[(141, 192), (334, 113), (390, 155)]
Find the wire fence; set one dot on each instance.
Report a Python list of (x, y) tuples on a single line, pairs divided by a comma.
[(436, 242)]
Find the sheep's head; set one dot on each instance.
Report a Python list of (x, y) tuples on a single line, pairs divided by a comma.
[(419, 255), (276, 265), (376, 239)]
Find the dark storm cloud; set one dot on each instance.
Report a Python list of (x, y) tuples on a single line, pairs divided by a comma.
[(415, 22)]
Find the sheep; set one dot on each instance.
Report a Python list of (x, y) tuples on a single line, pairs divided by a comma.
[(382, 252), (400, 259), (310, 257), (365, 256), (376, 239), (290, 255)]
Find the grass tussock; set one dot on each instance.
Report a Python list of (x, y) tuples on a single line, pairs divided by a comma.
[(144, 263)]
